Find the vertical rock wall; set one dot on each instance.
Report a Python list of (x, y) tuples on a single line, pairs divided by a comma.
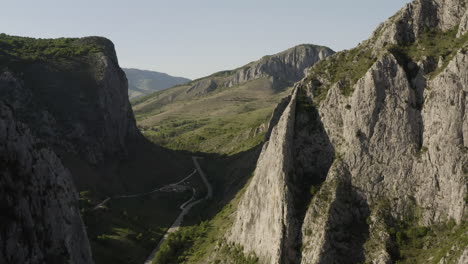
[(40, 219)]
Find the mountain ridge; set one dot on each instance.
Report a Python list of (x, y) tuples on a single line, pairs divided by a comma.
[(368, 162), (144, 82), (251, 90)]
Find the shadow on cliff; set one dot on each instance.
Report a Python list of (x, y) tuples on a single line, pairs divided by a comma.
[(346, 228), (314, 155)]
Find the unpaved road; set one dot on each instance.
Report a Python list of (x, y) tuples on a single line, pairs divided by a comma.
[(185, 209), (166, 187)]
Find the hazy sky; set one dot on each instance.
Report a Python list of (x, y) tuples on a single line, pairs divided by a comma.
[(194, 38)]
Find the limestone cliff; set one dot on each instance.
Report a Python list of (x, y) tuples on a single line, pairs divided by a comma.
[(40, 216), (58, 98), (77, 103), (285, 67), (273, 173), (386, 151)]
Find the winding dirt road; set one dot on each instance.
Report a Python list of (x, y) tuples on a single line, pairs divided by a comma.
[(185, 209), (166, 187)]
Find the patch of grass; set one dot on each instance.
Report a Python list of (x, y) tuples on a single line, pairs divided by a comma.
[(231, 251), (171, 251), (193, 244), (431, 43), (127, 230), (421, 152), (314, 189), (225, 121), (345, 68), (420, 244), (228, 134)]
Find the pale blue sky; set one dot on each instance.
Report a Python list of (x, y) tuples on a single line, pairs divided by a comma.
[(194, 38)]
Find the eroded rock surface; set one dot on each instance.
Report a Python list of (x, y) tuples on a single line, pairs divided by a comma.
[(40, 217), (395, 150)]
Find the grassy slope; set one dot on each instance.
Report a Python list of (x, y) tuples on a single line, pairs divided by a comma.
[(207, 223), (194, 244), (205, 115), (432, 43), (221, 122), (418, 244)]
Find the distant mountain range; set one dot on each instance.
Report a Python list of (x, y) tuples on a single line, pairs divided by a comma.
[(142, 82)]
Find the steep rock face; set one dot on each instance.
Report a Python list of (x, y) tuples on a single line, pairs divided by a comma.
[(72, 96), (40, 216), (287, 66), (416, 17), (296, 156), (272, 202), (85, 111), (398, 141)]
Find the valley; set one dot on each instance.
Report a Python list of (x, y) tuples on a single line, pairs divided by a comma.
[(227, 112), (306, 156)]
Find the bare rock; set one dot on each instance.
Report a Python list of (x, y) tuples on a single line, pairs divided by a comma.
[(40, 218)]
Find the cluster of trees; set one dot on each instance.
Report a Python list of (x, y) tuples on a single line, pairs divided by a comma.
[(30, 49), (171, 251)]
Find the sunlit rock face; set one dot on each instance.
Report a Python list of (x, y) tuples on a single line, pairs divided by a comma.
[(392, 148)]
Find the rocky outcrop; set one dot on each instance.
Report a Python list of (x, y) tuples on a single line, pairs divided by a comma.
[(418, 16), (282, 70), (392, 149), (272, 203), (285, 67), (84, 111), (69, 102), (40, 216), (252, 91)]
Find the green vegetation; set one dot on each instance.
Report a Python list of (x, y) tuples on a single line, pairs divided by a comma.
[(225, 121), (304, 103), (419, 244), (230, 134), (431, 43), (15, 50), (193, 244), (215, 114), (421, 152), (127, 230), (177, 243), (414, 243), (236, 253), (345, 68)]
